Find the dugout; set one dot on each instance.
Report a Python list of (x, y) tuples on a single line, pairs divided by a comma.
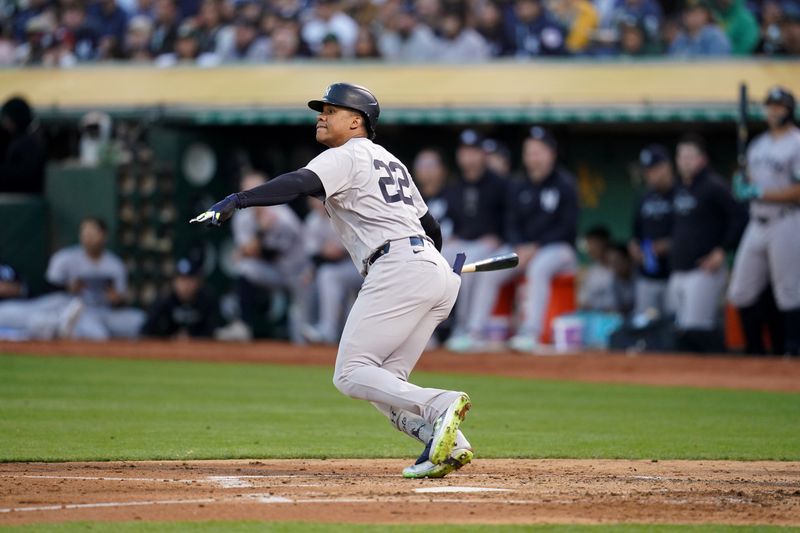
[(184, 134)]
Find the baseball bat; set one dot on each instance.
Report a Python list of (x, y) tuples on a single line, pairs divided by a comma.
[(741, 131), (498, 262)]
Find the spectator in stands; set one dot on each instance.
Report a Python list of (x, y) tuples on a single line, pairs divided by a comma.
[(367, 44), (770, 40), (40, 39), (580, 19), (534, 30), (706, 222), (595, 292), (459, 43), (22, 149), (187, 50), (268, 258), (492, 28), (541, 224), (330, 48), (136, 46), (476, 206), (739, 25), (328, 18), (790, 29), (337, 279), (644, 13), (111, 22), (633, 40), (208, 24), (7, 48), (78, 33), (165, 29), (405, 38), (190, 310), (649, 246), (700, 36), (429, 11), (29, 10), (623, 283), (498, 157), (247, 46), (286, 42)]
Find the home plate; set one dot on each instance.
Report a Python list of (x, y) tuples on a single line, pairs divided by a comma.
[(458, 489)]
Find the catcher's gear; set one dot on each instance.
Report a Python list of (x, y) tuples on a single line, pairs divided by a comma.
[(352, 97), (781, 96), (219, 212)]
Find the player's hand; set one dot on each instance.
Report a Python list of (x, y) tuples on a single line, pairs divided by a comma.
[(219, 212), (743, 190), (713, 261)]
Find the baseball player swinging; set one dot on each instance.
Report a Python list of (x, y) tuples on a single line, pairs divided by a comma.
[(408, 286), (770, 248)]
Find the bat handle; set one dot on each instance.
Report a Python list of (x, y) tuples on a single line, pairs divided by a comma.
[(458, 264)]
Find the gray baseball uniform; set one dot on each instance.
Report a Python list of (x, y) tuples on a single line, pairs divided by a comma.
[(407, 291), (770, 248)]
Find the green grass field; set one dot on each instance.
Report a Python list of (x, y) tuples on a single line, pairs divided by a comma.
[(59, 409), (66, 408)]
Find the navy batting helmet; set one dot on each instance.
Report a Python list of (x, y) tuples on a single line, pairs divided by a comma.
[(352, 97), (779, 95)]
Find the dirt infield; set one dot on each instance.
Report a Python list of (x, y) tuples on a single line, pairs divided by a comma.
[(370, 491), (770, 374)]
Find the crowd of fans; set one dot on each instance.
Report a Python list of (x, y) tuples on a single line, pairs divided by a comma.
[(212, 32)]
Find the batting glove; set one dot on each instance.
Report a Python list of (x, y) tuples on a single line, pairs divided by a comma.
[(219, 212), (744, 190)]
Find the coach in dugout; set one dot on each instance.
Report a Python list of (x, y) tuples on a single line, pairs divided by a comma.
[(541, 225), (475, 205), (707, 221)]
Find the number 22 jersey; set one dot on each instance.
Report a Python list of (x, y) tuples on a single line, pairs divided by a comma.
[(369, 195)]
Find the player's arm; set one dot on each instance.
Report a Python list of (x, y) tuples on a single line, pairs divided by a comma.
[(790, 194), (279, 190), (432, 229)]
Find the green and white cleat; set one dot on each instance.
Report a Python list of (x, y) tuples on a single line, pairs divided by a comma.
[(426, 469), (445, 430)]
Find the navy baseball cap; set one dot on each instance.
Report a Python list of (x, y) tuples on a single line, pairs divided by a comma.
[(186, 267), (653, 154), (470, 138), (543, 135)]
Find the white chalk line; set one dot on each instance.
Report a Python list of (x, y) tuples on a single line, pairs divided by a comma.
[(67, 506), (453, 489)]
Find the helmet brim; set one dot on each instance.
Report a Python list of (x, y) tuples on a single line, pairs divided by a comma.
[(317, 105)]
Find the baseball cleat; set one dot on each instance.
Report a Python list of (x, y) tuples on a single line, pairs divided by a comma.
[(426, 469), (445, 429)]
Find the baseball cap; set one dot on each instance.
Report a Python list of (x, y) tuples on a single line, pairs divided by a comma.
[(492, 146), (543, 135), (186, 267), (471, 138), (652, 155)]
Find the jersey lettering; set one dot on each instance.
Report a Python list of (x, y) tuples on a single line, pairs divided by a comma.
[(389, 180)]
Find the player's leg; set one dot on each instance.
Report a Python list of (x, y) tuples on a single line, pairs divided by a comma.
[(698, 316), (125, 323), (487, 287), (749, 278), (650, 295), (334, 282), (784, 264), (548, 262), (475, 251), (396, 296), (92, 325)]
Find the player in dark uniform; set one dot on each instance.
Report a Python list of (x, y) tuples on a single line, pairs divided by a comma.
[(652, 228), (707, 222)]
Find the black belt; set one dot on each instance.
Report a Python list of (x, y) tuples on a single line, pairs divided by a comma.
[(383, 250), (781, 214)]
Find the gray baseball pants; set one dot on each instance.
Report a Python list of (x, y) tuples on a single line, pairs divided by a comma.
[(405, 295), (549, 261)]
